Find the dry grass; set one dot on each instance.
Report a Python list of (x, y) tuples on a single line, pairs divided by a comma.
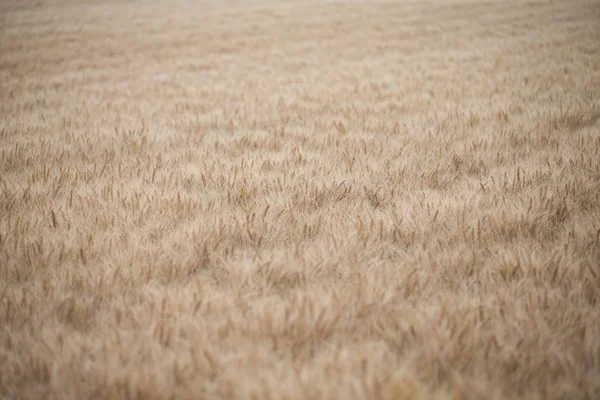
[(342, 200)]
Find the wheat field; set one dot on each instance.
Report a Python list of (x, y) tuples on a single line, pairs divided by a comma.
[(300, 200)]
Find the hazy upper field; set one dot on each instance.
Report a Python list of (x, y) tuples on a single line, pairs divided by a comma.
[(300, 200)]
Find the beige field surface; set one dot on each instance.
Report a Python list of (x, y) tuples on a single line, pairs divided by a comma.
[(301, 200)]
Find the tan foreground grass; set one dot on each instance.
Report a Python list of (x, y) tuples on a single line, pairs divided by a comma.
[(350, 200)]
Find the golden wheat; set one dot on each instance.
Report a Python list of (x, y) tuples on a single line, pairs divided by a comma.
[(300, 200)]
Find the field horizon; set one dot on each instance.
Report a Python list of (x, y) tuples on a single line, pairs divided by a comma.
[(300, 200)]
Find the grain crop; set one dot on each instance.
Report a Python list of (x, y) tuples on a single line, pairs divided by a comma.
[(273, 199)]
